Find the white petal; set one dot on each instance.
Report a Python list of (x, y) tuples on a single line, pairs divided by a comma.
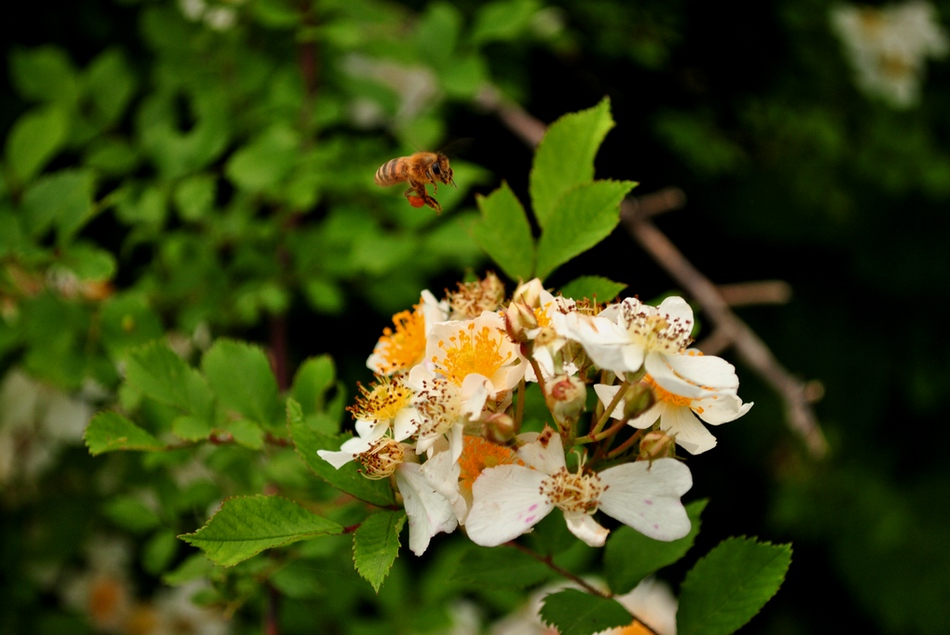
[(707, 371), (545, 453), (336, 459), (689, 433), (506, 503), (429, 512), (475, 391), (720, 408), (677, 308), (405, 423), (606, 394), (646, 496), (586, 528), (649, 416), (659, 368)]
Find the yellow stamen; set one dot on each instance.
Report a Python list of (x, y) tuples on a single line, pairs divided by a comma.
[(381, 401), (470, 351), (665, 395), (406, 346)]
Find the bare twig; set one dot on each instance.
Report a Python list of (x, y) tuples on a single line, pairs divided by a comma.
[(728, 328)]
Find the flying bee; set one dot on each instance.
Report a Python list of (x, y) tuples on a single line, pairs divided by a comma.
[(418, 170)]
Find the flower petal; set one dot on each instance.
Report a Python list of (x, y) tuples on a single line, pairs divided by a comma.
[(429, 512), (506, 503), (646, 496), (720, 408), (586, 528), (689, 433)]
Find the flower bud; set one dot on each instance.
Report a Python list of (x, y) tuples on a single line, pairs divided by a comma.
[(565, 397), (656, 445), (499, 428), (638, 399), (529, 293), (519, 318)]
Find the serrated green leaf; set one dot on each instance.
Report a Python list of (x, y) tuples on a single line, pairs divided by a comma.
[(156, 371), (308, 441), (131, 513), (729, 586), (241, 377), (110, 431), (500, 567), (630, 556), (246, 433), (504, 233), (376, 545), (246, 526), (191, 428), (583, 217), (592, 287), (565, 158), (574, 612), (36, 137), (62, 200)]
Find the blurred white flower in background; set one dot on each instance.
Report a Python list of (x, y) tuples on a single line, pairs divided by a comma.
[(889, 46)]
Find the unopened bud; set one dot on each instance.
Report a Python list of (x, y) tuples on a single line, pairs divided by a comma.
[(638, 399), (519, 318), (499, 428), (656, 445), (529, 293), (565, 397)]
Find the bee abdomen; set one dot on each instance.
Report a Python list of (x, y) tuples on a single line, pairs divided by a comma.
[(389, 173)]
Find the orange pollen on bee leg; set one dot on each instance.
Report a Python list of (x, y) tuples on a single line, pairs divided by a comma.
[(416, 201), (405, 347), (479, 454), (472, 352), (665, 395)]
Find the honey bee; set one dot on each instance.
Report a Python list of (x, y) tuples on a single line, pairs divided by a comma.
[(418, 170)]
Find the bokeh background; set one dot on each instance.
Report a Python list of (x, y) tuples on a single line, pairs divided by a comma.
[(194, 169)]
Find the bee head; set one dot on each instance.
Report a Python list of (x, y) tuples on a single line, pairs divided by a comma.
[(442, 171)]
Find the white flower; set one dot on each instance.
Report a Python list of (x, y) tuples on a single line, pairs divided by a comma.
[(403, 346), (678, 414), (460, 349), (627, 336), (889, 45), (443, 408), (510, 499)]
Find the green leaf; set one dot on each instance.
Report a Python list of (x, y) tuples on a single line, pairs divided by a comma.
[(500, 567), (241, 377), (110, 431), (592, 287), (583, 217), (504, 233), (630, 556), (574, 612), (194, 196), (503, 20), (126, 321), (128, 512), (308, 441), (62, 200), (36, 137), (246, 526), (109, 84), (159, 551), (315, 377), (266, 161), (195, 567), (44, 74), (89, 262), (246, 433), (565, 158), (730, 585), (376, 545), (437, 33), (191, 428), (156, 371)]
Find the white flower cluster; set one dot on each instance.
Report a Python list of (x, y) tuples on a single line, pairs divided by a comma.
[(888, 47), (443, 418)]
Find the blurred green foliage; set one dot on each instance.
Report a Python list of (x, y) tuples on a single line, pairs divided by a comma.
[(194, 175)]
